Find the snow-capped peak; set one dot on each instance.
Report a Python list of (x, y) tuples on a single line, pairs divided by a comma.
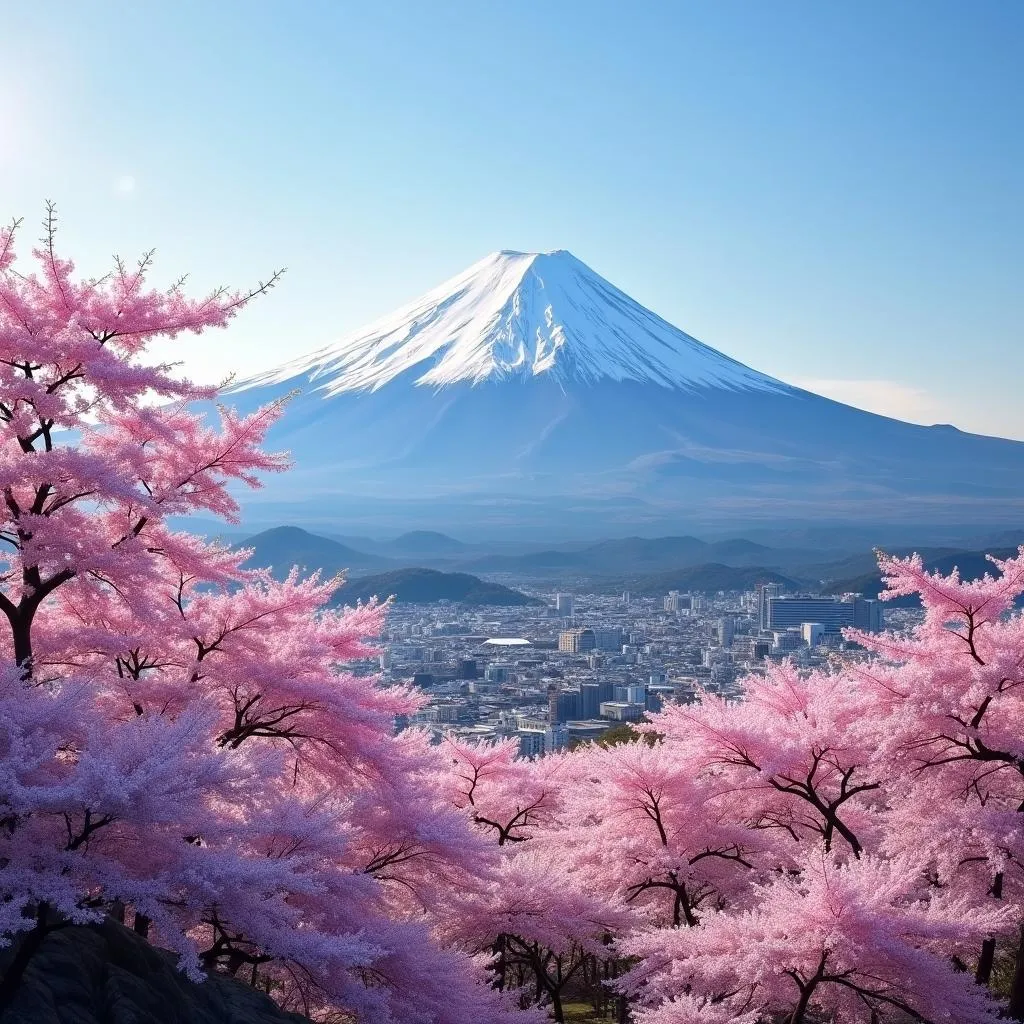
[(520, 315)]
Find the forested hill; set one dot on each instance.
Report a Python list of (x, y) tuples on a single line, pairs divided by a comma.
[(425, 586)]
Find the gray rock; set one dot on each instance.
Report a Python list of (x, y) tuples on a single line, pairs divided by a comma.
[(106, 974)]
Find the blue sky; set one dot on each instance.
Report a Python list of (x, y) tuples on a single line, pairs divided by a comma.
[(832, 193)]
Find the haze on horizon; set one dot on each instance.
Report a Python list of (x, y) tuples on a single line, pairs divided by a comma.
[(830, 196)]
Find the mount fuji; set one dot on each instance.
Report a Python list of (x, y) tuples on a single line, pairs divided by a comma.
[(529, 394)]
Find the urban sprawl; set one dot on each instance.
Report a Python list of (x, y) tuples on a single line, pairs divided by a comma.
[(579, 664)]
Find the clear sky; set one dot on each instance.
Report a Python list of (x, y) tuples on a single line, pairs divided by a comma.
[(830, 192)]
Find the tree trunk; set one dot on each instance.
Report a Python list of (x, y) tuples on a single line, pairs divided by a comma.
[(985, 961), (622, 1016), (1016, 1007), (556, 1006), (141, 925), (800, 1012), (988, 947), (21, 635)]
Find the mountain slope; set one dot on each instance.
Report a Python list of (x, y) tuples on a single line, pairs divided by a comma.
[(285, 546), (529, 390)]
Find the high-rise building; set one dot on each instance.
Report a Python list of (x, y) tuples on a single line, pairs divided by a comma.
[(765, 593), (564, 605), (569, 705), (576, 641), (531, 742), (675, 602), (831, 613), (536, 738), (553, 706), (636, 693), (867, 614), (563, 705), (657, 695), (468, 669), (555, 738), (726, 631), (608, 639), (625, 597), (590, 700)]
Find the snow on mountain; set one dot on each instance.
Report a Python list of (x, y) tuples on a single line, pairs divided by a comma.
[(516, 314)]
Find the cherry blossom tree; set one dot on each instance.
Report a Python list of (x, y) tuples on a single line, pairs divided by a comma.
[(177, 740), (545, 923), (510, 799), (797, 757), (951, 696), (662, 837), (830, 941)]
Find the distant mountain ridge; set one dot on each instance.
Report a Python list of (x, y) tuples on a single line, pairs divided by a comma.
[(635, 554), (284, 546), (644, 565), (422, 542)]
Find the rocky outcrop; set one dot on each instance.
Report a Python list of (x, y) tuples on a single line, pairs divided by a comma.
[(106, 974)]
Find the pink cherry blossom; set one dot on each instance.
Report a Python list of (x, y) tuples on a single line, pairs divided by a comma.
[(179, 740)]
